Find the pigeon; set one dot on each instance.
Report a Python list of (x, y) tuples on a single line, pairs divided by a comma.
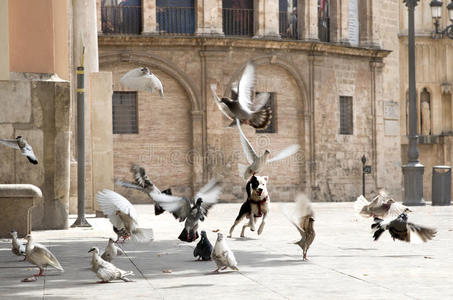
[(40, 256), (122, 215), (401, 229), (380, 207), (191, 210), (240, 105), (203, 249), (257, 163), (106, 271), (222, 255), (305, 223), (111, 251), (145, 185), (18, 247), (21, 144), (142, 79)]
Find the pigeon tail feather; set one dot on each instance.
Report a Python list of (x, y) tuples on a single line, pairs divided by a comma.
[(261, 119)]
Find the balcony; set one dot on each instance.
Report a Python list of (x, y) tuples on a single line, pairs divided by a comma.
[(288, 25), (175, 20), (238, 22), (121, 19)]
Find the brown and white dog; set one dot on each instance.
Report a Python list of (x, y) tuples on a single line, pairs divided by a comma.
[(256, 205)]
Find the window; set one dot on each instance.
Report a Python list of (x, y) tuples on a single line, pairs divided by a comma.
[(324, 20), (124, 110), (175, 17), (288, 19), (346, 124), (124, 17), (272, 127), (238, 17)]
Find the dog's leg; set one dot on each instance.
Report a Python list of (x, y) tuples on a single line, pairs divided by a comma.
[(232, 227), (244, 227), (260, 229), (252, 222)]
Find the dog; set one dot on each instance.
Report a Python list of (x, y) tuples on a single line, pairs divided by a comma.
[(256, 205)]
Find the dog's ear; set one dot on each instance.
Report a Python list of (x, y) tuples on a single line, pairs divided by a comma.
[(265, 178)]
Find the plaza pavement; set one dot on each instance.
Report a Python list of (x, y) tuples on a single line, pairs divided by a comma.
[(343, 262)]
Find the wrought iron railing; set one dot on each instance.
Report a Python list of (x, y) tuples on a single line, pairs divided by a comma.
[(288, 25), (121, 19), (324, 29), (238, 21), (175, 20)]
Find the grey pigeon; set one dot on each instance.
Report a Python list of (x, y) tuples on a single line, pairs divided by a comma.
[(222, 255), (121, 214), (18, 247), (145, 185), (203, 249), (40, 256), (381, 206), (193, 210), (111, 251), (141, 79), (304, 224), (257, 163), (240, 105), (106, 271), (401, 229), (21, 144)]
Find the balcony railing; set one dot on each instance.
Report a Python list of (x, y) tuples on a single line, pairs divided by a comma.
[(238, 22), (288, 25), (121, 19), (324, 29), (175, 20)]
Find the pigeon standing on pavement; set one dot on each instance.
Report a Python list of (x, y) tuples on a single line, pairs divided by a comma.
[(18, 247), (222, 255), (191, 211), (257, 163), (41, 257), (122, 215), (401, 229), (203, 249), (142, 79), (240, 105), (145, 185), (380, 207), (304, 225), (111, 251), (106, 271), (21, 144)]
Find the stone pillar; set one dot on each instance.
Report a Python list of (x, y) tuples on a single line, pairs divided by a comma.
[(367, 22), (266, 19), (339, 21), (99, 16), (208, 14), (308, 20), (4, 37), (149, 17)]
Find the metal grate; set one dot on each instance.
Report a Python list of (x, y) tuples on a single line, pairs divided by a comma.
[(346, 115), (121, 19), (324, 20), (237, 22), (124, 110), (272, 127), (175, 20)]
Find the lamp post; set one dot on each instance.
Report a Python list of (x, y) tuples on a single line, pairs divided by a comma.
[(436, 13), (413, 170)]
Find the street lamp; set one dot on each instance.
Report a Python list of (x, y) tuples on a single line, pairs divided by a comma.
[(413, 170), (436, 13)]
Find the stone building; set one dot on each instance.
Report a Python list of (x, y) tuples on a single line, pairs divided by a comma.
[(332, 68)]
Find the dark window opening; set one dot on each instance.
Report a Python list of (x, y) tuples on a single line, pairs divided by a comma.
[(175, 17), (346, 115), (124, 113), (288, 19), (324, 20), (238, 17), (121, 17)]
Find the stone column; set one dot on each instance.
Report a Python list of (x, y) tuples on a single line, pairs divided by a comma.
[(4, 37), (99, 16), (266, 19), (339, 21), (149, 17), (307, 16), (208, 14)]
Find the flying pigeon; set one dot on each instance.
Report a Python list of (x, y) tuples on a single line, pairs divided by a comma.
[(18, 247), (240, 105), (400, 229), (145, 185), (122, 215), (40, 256), (191, 210), (222, 255), (380, 207), (21, 144), (203, 249), (106, 271), (142, 79), (304, 224), (256, 162), (111, 251)]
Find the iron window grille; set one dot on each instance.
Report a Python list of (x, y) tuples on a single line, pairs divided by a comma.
[(124, 113), (346, 115)]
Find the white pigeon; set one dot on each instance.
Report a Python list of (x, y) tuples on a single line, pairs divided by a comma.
[(222, 255), (21, 144), (18, 247), (106, 271), (111, 251), (257, 163), (121, 214), (40, 256), (142, 79)]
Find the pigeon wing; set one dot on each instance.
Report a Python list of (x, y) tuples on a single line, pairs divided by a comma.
[(209, 194), (140, 176), (134, 79), (179, 206), (229, 255), (424, 233), (222, 106), (250, 153), (10, 143), (396, 209), (359, 203), (290, 150), (128, 185), (246, 86), (110, 202), (28, 152), (45, 254), (260, 100), (157, 84)]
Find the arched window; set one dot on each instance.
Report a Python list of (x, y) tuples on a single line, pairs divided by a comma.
[(324, 20), (425, 112)]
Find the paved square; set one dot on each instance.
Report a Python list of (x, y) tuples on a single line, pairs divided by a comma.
[(343, 260)]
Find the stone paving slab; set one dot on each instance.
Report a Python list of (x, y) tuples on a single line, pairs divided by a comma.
[(343, 260)]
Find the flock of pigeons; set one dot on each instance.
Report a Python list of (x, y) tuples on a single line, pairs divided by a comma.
[(241, 109)]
